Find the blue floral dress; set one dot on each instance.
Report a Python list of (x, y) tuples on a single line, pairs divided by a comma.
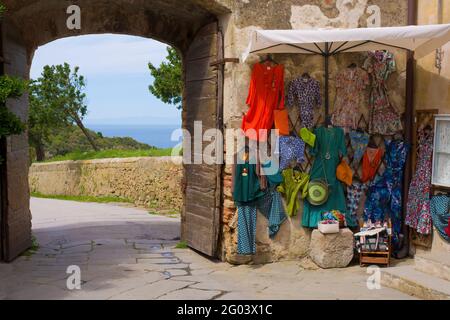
[(384, 199)]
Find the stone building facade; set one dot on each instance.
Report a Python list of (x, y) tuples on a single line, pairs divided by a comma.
[(31, 23)]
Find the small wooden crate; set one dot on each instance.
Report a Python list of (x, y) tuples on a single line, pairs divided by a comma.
[(376, 257)]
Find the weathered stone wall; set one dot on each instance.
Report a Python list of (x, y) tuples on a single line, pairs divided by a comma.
[(153, 182), (16, 218), (292, 241), (432, 87)]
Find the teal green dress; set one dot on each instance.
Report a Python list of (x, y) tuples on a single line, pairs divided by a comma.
[(332, 141), (246, 185)]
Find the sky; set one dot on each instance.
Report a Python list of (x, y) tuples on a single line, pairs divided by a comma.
[(117, 76)]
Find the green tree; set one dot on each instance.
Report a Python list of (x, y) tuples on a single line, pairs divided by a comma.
[(56, 99), (10, 87), (168, 82)]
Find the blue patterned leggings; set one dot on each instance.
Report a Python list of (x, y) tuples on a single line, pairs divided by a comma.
[(271, 206)]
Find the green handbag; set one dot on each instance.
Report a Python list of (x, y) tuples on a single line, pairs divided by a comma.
[(318, 190)]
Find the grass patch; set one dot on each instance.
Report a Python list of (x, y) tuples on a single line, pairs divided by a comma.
[(82, 198), (33, 249), (182, 245), (171, 213), (112, 153)]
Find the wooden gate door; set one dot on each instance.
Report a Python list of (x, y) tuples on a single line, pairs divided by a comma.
[(202, 102)]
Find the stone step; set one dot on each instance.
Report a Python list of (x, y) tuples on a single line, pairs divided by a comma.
[(415, 283), (433, 264)]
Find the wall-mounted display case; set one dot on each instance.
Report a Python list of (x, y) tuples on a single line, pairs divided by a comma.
[(441, 152)]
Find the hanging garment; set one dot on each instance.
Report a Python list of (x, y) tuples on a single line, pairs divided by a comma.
[(350, 83), (440, 206), (305, 92), (384, 199), (354, 194), (330, 143), (293, 183), (271, 206), (418, 212), (266, 94), (384, 118), (291, 149), (249, 197), (359, 141), (447, 230), (371, 162), (246, 192), (246, 230), (246, 183)]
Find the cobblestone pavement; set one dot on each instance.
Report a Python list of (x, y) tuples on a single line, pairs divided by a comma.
[(126, 253)]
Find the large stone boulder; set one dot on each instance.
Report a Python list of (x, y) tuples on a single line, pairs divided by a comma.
[(332, 250)]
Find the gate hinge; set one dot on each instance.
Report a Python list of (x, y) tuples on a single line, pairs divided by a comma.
[(223, 61)]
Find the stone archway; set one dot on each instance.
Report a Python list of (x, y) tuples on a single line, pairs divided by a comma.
[(190, 26)]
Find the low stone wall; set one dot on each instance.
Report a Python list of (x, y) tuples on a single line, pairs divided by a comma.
[(151, 182)]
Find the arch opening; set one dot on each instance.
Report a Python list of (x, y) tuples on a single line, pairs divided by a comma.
[(189, 26)]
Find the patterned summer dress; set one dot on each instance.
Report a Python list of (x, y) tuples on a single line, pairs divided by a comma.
[(384, 197), (418, 212), (349, 85), (384, 118), (305, 92)]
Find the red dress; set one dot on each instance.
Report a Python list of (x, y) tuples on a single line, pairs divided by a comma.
[(266, 93)]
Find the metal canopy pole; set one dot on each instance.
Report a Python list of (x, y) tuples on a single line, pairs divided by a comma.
[(409, 128), (326, 55)]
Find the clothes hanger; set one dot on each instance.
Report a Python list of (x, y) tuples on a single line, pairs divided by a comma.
[(372, 143), (398, 137), (269, 58), (306, 75)]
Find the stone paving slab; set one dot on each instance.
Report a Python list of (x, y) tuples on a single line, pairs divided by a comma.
[(131, 264)]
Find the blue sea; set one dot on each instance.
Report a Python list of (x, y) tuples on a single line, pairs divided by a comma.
[(156, 135)]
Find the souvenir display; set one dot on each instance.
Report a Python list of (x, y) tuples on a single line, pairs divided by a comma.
[(362, 191), (335, 215)]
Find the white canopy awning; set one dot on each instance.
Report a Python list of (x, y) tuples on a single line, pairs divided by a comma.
[(420, 39)]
